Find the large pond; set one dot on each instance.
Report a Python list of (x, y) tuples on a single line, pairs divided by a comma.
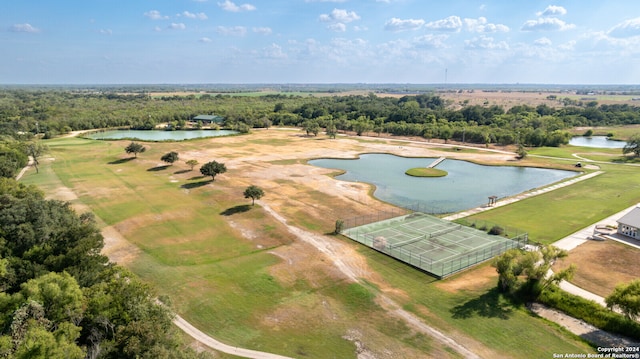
[(158, 135), (467, 185), (596, 141)]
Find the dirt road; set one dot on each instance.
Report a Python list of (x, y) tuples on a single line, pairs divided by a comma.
[(337, 253)]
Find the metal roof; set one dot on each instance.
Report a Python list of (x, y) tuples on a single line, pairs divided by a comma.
[(208, 118), (632, 218)]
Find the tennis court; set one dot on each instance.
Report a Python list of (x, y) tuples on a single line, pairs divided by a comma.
[(432, 244)]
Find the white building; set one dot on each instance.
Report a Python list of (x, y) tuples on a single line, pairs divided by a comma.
[(629, 224)]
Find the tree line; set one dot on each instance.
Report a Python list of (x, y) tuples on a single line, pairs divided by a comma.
[(60, 297), (427, 115)]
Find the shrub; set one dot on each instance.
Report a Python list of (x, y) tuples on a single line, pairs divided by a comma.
[(591, 312), (496, 231)]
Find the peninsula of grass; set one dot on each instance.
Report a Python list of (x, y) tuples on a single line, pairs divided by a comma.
[(426, 172)]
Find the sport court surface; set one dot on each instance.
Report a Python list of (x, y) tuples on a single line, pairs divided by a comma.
[(432, 244)]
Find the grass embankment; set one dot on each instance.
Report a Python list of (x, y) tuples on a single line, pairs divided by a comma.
[(425, 172), (230, 285)]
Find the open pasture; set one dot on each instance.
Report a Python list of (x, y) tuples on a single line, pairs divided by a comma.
[(238, 274), (432, 244)]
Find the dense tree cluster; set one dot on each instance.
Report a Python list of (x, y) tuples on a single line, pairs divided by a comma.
[(427, 115), (60, 298)]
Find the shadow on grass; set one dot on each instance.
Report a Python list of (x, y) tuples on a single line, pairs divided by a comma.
[(237, 209), (196, 178), (626, 159), (488, 305), (181, 172), (195, 184), (158, 168), (122, 160)]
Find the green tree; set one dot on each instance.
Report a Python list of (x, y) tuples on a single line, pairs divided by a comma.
[(192, 163), (170, 157), (311, 126), (521, 152), (253, 192), (527, 273), (212, 169), (633, 145), (626, 298), (331, 129), (35, 149), (59, 294), (135, 148), (362, 125)]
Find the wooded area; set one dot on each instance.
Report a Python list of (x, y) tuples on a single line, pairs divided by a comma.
[(60, 297), (52, 112)]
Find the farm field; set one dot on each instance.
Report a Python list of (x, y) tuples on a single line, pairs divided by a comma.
[(238, 273)]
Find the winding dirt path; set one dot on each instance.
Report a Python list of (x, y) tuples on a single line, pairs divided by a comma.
[(336, 252)]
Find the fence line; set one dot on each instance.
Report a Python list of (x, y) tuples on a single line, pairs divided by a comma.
[(440, 269)]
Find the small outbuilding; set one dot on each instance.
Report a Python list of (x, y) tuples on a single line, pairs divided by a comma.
[(208, 119), (629, 224)]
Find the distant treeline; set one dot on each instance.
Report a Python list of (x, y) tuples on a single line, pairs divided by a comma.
[(53, 112)]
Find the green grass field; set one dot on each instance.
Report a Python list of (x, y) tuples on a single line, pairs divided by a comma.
[(224, 283)]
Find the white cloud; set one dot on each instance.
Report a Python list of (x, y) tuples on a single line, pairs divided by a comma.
[(568, 46), (451, 24), (485, 43), (24, 28), (231, 30), (543, 41), (106, 31), (190, 15), (155, 15), (546, 24), (430, 41), (628, 28), (325, 0), (157, 29), (337, 27), (397, 25), (262, 30), (176, 26), (340, 15), (553, 10), (274, 52), (481, 25), (232, 7), (205, 40)]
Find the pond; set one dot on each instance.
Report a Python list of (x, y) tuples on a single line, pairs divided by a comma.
[(596, 141), (467, 185), (158, 135)]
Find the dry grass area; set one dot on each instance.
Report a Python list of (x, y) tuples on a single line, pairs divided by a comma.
[(476, 279), (508, 99), (602, 265)]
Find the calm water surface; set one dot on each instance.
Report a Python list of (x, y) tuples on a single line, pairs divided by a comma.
[(596, 141), (467, 185), (158, 135)]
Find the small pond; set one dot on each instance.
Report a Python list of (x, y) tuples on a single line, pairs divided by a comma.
[(596, 141), (158, 135), (467, 185)]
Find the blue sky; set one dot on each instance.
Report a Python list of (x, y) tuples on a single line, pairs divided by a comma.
[(319, 41)]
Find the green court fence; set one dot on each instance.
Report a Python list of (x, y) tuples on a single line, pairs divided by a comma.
[(404, 251)]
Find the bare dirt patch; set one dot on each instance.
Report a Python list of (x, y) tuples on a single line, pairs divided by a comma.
[(473, 279), (602, 265)]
